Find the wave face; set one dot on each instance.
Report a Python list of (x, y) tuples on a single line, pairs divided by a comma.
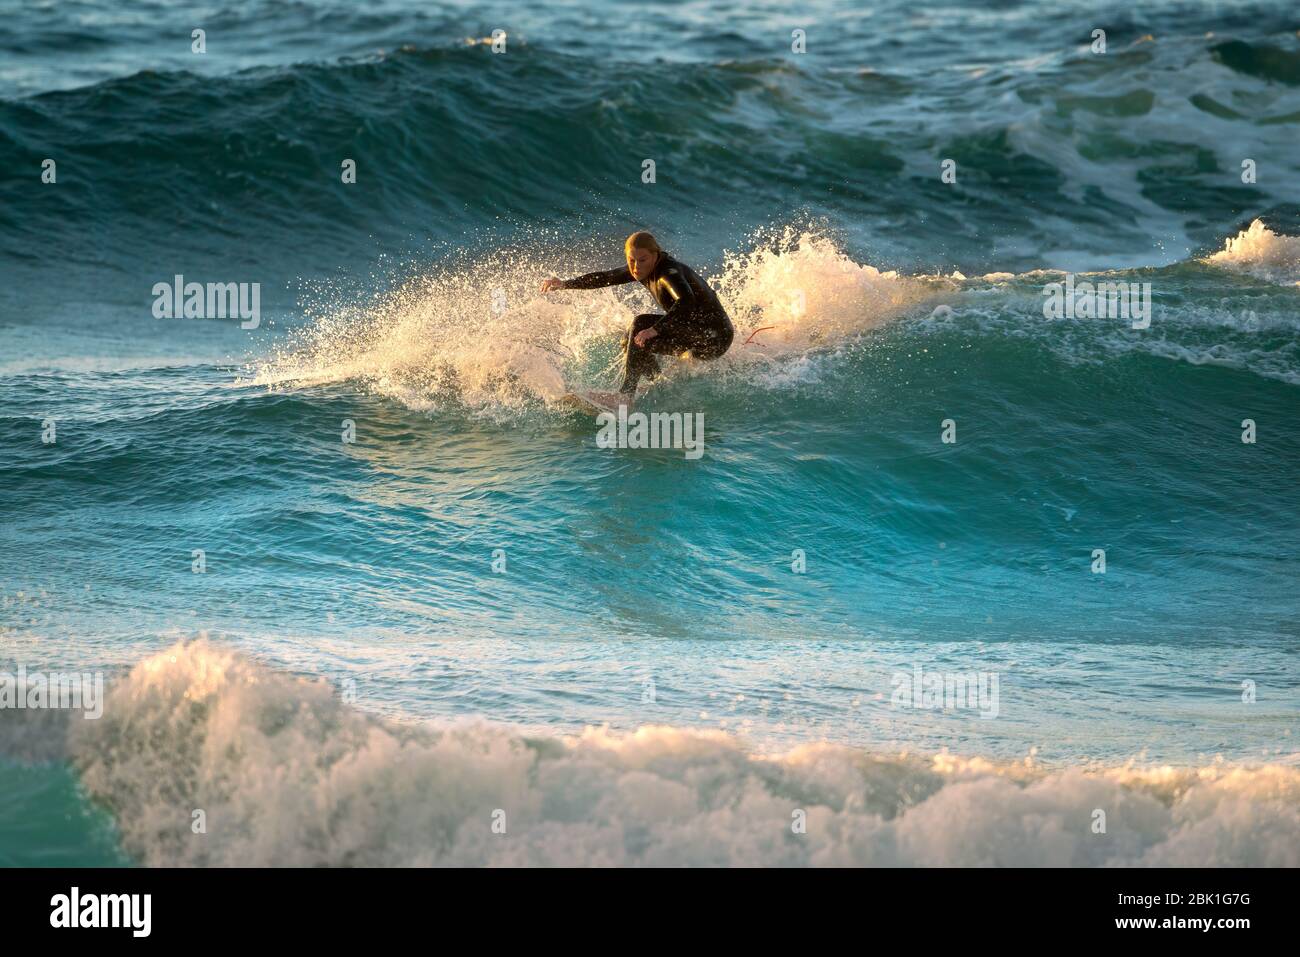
[(469, 495), (377, 485), (287, 775)]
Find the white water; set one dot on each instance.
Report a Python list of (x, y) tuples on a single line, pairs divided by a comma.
[(1262, 253), (286, 773), (485, 335)]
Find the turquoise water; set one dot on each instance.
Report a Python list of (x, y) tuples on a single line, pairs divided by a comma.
[(646, 658)]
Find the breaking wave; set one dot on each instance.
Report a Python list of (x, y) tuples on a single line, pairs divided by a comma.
[(287, 774)]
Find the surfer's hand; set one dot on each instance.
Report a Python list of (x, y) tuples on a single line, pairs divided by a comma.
[(552, 283), (645, 335)]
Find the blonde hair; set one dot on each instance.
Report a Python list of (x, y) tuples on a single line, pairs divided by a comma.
[(641, 240)]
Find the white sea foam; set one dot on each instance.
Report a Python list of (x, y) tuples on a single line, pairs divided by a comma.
[(288, 774), (801, 290), (1260, 252), (483, 335)]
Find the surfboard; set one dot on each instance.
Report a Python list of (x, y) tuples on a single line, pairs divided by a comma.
[(594, 402)]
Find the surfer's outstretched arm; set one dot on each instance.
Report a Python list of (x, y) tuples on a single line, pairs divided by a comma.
[(592, 280)]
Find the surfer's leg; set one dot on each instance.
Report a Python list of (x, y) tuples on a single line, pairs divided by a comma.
[(704, 337), (712, 340), (638, 360)]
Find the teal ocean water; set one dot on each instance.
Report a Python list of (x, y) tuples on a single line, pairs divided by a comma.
[(356, 581)]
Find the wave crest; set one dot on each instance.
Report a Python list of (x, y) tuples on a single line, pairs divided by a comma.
[(288, 774), (480, 334), (1262, 253)]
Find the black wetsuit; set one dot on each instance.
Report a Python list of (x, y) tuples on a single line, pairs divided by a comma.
[(693, 318)]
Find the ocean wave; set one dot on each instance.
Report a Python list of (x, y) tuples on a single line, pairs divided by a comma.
[(477, 336), (287, 774), (1262, 253), (257, 154), (482, 336), (1264, 60)]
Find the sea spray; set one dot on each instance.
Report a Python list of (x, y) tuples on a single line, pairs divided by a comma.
[(299, 778), (478, 332)]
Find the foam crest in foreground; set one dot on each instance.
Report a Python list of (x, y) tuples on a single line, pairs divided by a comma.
[(287, 774)]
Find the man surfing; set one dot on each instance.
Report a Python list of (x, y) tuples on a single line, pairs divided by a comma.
[(693, 320)]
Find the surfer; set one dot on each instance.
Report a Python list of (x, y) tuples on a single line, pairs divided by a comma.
[(693, 320)]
